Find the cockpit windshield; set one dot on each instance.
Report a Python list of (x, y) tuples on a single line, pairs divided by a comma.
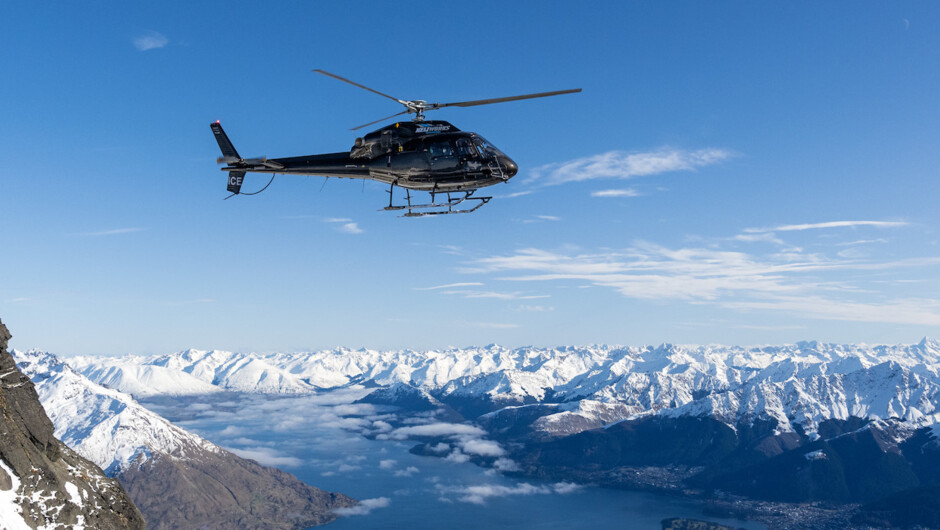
[(486, 148)]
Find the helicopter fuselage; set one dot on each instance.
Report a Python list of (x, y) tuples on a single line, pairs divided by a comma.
[(424, 155), (432, 156)]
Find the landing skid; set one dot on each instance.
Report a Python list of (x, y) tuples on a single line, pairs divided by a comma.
[(441, 208)]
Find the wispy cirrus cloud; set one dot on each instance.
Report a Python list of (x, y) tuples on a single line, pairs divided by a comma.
[(344, 225), (831, 224), (111, 232), (522, 193), (350, 228), (818, 285), (650, 271), (625, 165), (629, 192), (862, 242), (517, 295), (448, 286), (753, 237), (542, 218), (535, 308), (150, 41), (918, 311), (459, 289)]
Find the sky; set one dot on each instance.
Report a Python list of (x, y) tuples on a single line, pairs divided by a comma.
[(733, 172)]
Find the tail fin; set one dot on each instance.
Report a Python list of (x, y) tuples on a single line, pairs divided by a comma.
[(229, 154)]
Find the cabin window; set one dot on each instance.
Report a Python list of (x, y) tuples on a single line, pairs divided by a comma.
[(439, 149), (465, 148)]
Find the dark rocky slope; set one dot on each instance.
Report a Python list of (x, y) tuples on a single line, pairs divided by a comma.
[(56, 486), (222, 491)]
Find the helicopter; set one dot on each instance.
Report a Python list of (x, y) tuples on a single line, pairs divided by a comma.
[(432, 156)]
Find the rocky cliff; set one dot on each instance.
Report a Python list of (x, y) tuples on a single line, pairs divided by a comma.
[(43, 483)]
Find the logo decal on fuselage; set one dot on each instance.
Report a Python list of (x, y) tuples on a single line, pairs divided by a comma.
[(426, 128)]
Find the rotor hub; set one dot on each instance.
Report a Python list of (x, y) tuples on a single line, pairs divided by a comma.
[(417, 107)]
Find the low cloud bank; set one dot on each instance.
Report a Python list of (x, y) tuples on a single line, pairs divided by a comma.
[(364, 507)]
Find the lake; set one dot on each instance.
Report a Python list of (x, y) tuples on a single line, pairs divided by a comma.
[(320, 439)]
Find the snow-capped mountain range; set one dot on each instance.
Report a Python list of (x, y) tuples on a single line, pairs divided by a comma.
[(177, 478), (104, 425), (799, 384), (793, 423)]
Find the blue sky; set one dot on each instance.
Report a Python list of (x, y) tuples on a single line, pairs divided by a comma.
[(733, 172)]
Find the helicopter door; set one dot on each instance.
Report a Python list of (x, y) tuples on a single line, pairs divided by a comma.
[(443, 157), (468, 155), (465, 149)]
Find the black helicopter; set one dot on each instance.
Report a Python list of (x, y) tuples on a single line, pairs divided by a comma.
[(432, 156)]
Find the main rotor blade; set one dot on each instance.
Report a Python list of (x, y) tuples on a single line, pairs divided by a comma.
[(376, 121), (343, 79), (501, 100)]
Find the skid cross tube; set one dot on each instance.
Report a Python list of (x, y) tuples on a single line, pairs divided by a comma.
[(443, 208)]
